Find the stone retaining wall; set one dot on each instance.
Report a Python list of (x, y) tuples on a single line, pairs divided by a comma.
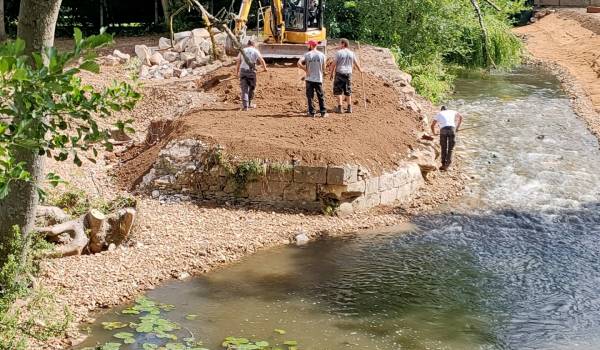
[(191, 169)]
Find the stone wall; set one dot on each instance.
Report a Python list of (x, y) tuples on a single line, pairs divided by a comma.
[(190, 169)]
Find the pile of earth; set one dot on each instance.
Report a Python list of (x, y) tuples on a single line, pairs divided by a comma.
[(378, 136)]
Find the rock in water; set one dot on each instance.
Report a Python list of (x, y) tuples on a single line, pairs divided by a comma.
[(302, 239)]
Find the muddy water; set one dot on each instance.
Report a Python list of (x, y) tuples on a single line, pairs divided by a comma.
[(514, 264)]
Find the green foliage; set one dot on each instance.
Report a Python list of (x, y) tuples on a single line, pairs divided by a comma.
[(248, 171), (36, 316), (76, 202), (48, 110), (428, 36)]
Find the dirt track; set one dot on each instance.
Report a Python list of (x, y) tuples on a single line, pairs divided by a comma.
[(571, 40)]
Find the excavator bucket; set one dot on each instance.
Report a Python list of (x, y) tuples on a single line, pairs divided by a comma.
[(283, 51)]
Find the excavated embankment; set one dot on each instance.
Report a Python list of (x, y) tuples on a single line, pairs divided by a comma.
[(359, 159)]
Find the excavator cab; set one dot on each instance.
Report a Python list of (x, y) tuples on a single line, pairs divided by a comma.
[(287, 26)]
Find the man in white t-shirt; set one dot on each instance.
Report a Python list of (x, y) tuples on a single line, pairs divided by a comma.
[(246, 71), (449, 122)]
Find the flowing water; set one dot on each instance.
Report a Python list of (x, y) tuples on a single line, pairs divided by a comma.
[(513, 264)]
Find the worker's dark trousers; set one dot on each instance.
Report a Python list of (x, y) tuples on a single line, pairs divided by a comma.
[(447, 143), (247, 85), (312, 88)]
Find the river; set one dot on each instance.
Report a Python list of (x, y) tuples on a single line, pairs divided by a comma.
[(513, 264)]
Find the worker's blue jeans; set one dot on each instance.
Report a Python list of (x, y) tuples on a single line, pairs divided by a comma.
[(247, 85), (313, 88)]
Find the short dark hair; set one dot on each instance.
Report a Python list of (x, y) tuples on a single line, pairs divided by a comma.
[(345, 42), (250, 42), (443, 108)]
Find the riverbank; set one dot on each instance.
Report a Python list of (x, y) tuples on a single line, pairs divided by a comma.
[(176, 240), (566, 43)]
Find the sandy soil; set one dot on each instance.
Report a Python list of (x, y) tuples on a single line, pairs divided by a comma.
[(377, 137), (570, 40), (173, 240)]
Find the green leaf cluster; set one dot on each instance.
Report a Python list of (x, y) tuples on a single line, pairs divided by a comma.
[(45, 107), (429, 36)]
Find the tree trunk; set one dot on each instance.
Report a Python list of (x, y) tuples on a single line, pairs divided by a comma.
[(484, 33), (18, 208), (166, 11), (37, 22), (2, 24)]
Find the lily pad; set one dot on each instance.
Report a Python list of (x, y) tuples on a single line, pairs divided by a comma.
[(290, 343), (111, 346), (191, 317), (280, 331), (113, 325), (149, 346), (123, 335)]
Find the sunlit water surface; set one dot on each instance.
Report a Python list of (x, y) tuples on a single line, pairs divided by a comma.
[(514, 264)]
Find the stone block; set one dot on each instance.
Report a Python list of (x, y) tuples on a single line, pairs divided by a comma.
[(401, 177), (308, 174), (414, 171), (279, 173), (342, 175), (372, 185), (335, 191), (359, 186), (266, 190), (300, 192), (405, 192), (389, 196), (372, 200), (386, 182)]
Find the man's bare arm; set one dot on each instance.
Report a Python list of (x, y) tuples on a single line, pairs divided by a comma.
[(433, 124), (357, 64), (459, 120), (301, 64), (263, 63)]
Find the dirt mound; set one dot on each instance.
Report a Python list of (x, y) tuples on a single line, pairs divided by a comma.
[(378, 137)]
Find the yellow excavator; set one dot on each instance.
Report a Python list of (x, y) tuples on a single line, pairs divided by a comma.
[(287, 26)]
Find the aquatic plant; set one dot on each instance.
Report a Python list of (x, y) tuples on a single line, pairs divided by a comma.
[(163, 333)]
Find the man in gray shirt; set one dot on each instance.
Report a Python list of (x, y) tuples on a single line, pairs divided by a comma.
[(313, 63), (246, 71), (342, 65)]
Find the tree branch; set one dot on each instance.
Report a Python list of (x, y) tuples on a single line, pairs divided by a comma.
[(484, 32)]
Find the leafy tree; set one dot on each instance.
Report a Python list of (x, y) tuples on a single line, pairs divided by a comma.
[(46, 111), (428, 36)]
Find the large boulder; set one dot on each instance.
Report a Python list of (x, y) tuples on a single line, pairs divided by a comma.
[(200, 33), (156, 59), (143, 52), (181, 35), (164, 43), (180, 45), (123, 57), (170, 56)]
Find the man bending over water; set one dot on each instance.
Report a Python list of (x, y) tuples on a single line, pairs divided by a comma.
[(449, 121)]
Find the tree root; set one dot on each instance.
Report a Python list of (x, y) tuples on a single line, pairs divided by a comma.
[(72, 235)]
